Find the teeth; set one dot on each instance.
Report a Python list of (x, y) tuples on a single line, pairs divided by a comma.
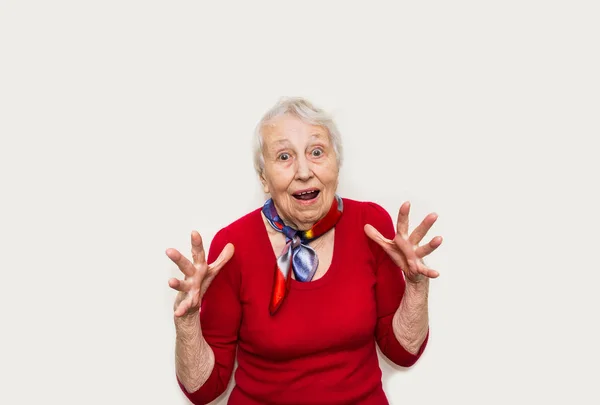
[(307, 192)]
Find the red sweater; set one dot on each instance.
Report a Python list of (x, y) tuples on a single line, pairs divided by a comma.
[(319, 348)]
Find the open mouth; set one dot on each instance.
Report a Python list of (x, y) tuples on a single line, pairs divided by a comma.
[(306, 195)]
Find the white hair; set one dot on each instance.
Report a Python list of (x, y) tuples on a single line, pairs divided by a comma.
[(307, 112)]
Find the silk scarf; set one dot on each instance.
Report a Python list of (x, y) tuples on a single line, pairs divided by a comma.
[(297, 255)]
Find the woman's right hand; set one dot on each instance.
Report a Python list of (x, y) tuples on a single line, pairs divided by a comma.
[(198, 275)]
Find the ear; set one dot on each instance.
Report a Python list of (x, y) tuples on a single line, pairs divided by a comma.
[(264, 182)]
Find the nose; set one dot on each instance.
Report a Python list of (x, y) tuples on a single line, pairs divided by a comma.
[(303, 169)]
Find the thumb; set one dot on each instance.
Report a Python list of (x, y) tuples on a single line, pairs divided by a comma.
[(378, 238), (226, 254)]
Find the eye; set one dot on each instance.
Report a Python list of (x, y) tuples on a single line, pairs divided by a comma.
[(317, 152), (284, 156)]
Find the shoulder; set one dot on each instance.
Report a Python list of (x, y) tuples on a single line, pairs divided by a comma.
[(246, 223), (369, 212), (243, 226), (365, 210), (238, 232)]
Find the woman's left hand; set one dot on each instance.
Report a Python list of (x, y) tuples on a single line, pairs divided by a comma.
[(404, 249)]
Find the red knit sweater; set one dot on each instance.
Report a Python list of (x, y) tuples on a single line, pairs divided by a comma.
[(319, 348)]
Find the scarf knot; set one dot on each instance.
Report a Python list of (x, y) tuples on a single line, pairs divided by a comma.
[(296, 242)]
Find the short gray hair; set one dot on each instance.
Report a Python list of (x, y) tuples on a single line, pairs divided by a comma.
[(307, 112)]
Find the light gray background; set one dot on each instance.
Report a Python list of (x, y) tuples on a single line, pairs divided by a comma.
[(126, 124)]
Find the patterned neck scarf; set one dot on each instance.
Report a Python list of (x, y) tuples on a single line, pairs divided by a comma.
[(297, 254)]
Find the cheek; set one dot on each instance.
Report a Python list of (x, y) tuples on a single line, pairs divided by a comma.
[(329, 174), (279, 180)]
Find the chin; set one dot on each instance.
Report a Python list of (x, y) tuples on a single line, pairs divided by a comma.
[(310, 215)]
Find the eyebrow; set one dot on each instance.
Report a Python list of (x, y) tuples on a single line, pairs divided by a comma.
[(281, 142)]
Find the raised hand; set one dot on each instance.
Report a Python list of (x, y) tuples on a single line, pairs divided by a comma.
[(198, 275), (404, 249)]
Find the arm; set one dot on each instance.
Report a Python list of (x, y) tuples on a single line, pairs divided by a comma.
[(206, 339), (411, 320), (220, 318), (403, 321), (194, 359)]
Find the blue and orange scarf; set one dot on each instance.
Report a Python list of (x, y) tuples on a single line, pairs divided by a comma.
[(297, 255)]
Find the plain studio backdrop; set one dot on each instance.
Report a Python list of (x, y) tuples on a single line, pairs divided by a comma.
[(126, 124)]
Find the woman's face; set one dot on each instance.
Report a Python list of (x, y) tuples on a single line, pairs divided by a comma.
[(301, 171)]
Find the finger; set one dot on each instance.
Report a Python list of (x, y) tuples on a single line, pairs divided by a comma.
[(184, 264), (198, 255), (179, 285), (427, 272), (377, 237), (183, 307), (420, 231), (223, 258), (186, 304), (402, 223), (424, 250), (421, 271)]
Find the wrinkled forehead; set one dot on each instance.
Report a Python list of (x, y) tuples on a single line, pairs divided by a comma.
[(289, 128)]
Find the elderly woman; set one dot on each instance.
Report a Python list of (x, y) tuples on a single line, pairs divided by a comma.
[(316, 281)]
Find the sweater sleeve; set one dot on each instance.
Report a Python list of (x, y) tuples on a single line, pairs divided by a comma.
[(389, 290), (220, 317)]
